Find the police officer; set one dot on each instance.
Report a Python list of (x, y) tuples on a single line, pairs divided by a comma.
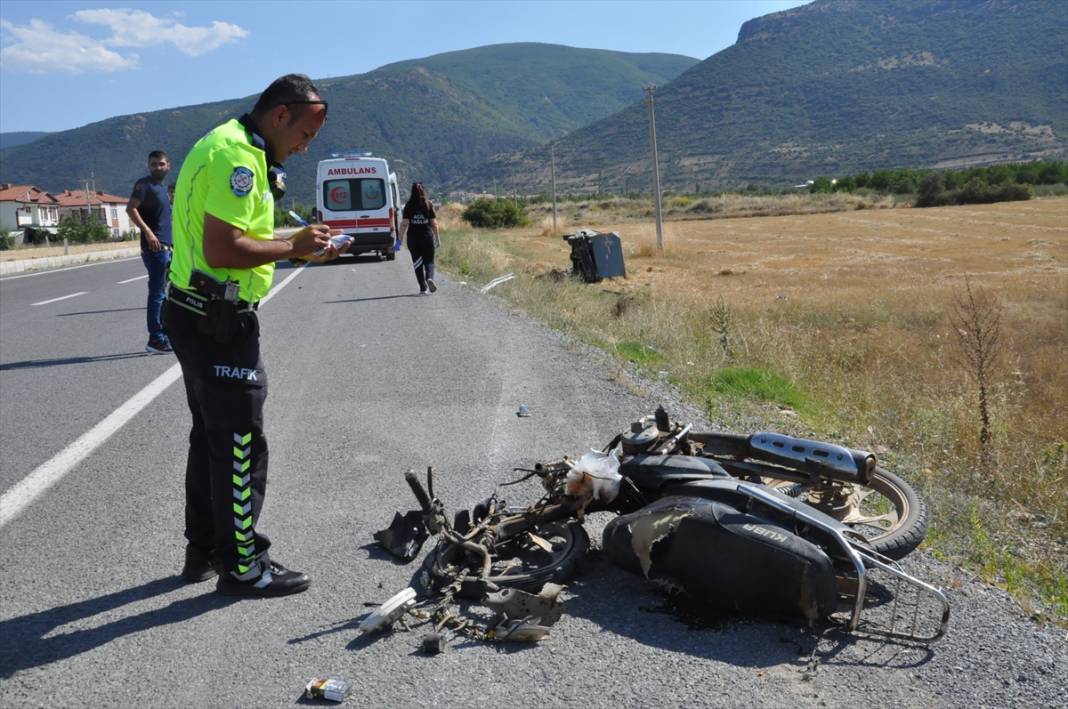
[(224, 254)]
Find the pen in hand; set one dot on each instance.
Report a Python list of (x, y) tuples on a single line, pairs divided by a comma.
[(338, 241)]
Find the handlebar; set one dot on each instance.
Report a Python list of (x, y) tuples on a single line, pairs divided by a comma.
[(418, 491)]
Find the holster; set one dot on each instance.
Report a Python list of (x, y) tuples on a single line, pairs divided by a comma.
[(221, 320)]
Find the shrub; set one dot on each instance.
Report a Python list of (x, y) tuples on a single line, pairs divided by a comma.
[(34, 235), (496, 212), (7, 241), (73, 230), (931, 192)]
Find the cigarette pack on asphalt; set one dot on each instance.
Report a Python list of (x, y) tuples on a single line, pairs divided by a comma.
[(332, 689)]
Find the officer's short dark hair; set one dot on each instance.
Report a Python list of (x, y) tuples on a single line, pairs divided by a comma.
[(291, 88), (156, 154)]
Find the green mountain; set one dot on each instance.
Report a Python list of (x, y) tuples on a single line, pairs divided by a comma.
[(434, 118), (831, 88), (13, 138)]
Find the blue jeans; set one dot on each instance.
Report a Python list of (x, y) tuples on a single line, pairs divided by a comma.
[(156, 262)]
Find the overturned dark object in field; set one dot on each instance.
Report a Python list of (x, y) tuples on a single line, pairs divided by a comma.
[(596, 256)]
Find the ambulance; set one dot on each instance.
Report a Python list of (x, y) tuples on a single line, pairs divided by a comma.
[(356, 192)]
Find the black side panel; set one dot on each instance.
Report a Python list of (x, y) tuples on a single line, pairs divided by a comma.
[(652, 472), (723, 557)]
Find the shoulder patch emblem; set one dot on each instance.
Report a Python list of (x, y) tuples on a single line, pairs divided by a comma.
[(241, 181)]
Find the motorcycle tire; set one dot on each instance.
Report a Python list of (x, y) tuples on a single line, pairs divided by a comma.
[(911, 529), (523, 564), (905, 534)]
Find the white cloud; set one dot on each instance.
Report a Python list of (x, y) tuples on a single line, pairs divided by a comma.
[(137, 28), (39, 48)]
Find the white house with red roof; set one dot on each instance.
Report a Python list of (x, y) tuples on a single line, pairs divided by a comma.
[(104, 208), (24, 206)]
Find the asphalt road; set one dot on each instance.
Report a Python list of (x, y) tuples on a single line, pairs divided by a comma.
[(367, 379)]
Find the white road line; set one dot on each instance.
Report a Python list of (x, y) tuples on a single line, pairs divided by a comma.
[(47, 271), (23, 493), (62, 297), (131, 280)]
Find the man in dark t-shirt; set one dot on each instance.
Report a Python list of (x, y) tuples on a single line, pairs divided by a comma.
[(150, 210)]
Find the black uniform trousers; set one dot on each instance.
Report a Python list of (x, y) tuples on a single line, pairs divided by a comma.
[(226, 472), (421, 247)]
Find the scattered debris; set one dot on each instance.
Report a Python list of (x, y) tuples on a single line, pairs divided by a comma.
[(388, 613), (332, 689), (405, 535), (496, 282), (522, 616), (433, 643), (523, 411)]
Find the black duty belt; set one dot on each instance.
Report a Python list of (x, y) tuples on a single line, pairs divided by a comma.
[(197, 302)]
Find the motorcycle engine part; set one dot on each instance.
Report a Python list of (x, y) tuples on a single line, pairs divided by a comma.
[(543, 608), (639, 441), (405, 535), (724, 557), (387, 614), (663, 421)]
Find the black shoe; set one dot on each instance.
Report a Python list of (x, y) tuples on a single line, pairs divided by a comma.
[(276, 581), (197, 565), (158, 346), (433, 287)]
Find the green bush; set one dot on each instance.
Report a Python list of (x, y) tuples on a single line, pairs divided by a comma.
[(7, 241), (932, 190), (73, 230), (496, 212), (33, 235)]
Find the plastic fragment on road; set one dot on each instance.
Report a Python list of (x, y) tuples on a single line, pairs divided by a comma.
[(332, 689), (594, 476), (496, 282), (405, 535), (387, 614), (523, 411)]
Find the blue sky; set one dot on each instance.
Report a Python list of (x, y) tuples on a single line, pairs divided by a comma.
[(65, 64)]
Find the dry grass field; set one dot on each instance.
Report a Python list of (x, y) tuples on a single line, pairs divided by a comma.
[(840, 325)]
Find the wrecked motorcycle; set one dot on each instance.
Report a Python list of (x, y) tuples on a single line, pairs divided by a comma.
[(764, 523)]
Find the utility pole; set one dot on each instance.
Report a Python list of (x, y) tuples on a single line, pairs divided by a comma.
[(552, 163), (651, 100)]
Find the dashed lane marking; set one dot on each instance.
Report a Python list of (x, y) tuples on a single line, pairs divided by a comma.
[(62, 297)]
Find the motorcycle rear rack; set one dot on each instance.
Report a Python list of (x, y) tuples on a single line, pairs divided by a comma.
[(909, 592)]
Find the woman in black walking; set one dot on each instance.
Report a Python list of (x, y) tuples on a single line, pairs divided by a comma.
[(420, 224)]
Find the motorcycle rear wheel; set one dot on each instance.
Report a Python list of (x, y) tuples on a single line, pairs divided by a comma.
[(887, 511)]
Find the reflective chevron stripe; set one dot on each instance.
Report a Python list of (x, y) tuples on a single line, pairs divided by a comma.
[(243, 533)]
